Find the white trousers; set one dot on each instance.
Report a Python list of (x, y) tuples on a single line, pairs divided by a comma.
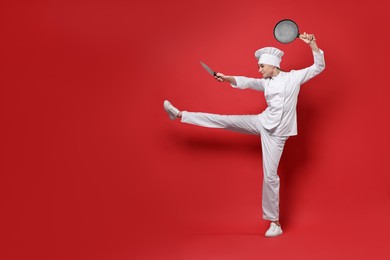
[(272, 147)]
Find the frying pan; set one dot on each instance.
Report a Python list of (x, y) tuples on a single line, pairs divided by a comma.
[(286, 31)]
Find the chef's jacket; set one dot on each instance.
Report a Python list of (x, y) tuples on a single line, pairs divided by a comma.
[(281, 94)]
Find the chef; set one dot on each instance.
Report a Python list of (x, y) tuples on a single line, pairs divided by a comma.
[(274, 125)]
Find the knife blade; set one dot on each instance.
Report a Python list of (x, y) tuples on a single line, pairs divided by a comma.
[(213, 73)]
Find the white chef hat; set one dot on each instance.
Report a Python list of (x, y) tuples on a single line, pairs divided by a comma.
[(269, 55)]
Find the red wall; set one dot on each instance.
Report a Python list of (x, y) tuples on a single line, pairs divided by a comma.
[(92, 168)]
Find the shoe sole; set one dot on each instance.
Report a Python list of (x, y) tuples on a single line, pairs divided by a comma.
[(274, 235)]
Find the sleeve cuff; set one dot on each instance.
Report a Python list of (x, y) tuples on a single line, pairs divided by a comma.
[(237, 79), (320, 52)]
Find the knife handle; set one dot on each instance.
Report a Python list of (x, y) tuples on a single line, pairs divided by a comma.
[(215, 75)]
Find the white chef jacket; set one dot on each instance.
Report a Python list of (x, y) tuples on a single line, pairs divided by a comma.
[(281, 93)]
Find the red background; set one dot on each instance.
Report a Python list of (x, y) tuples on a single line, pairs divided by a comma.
[(92, 168)]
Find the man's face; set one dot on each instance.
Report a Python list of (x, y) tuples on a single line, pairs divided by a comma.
[(266, 70)]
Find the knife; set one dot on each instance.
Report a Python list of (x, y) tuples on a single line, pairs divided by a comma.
[(213, 73)]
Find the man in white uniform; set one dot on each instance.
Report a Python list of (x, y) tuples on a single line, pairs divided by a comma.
[(275, 124)]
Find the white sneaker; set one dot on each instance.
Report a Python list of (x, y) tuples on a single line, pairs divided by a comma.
[(274, 230), (171, 110)]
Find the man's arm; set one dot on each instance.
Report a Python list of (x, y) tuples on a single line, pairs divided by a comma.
[(221, 78), (306, 74), (311, 40), (241, 82)]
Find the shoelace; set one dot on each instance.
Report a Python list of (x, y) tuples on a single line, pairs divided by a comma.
[(274, 227), (173, 110)]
